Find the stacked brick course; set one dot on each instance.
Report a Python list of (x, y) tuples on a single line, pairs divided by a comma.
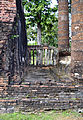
[(77, 38), (63, 26), (7, 14), (13, 42)]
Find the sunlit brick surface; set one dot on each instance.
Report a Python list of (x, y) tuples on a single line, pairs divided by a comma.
[(63, 26), (77, 37)]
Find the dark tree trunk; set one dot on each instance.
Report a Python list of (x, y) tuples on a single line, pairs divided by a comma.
[(18, 47), (22, 34)]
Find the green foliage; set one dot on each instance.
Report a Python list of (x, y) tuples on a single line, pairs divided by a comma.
[(49, 35), (14, 36), (69, 2), (32, 43), (31, 33), (40, 12)]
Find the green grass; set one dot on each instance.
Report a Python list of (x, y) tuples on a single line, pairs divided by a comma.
[(50, 115)]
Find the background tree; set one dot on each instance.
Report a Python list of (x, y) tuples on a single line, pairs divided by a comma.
[(40, 14)]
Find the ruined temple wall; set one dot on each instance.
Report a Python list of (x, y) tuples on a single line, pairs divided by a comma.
[(77, 39), (7, 15), (13, 42)]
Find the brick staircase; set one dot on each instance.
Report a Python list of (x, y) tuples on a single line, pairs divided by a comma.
[(41, 91)]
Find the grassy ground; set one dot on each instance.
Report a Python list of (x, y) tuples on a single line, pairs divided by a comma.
[(51, 115)]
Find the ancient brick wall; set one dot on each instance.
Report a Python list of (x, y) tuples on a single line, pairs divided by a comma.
[(7, 14), (13, 42), (77, 39), (63, 26)]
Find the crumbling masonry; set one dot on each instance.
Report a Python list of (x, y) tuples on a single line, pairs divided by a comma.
[(77, 38), (13, 42), (13, 61)]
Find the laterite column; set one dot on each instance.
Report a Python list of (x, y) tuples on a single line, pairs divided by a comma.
[(63, 26), (77, 39)]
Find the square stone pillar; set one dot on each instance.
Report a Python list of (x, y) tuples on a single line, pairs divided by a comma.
[(77, 39)]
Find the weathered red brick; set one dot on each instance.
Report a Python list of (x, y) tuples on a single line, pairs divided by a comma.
[(77, 37), (63, 26)]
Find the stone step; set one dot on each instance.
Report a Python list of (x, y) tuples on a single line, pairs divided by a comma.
[(25, 105), (48, 104), (49, 82), (35, 91), (58, 96)]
